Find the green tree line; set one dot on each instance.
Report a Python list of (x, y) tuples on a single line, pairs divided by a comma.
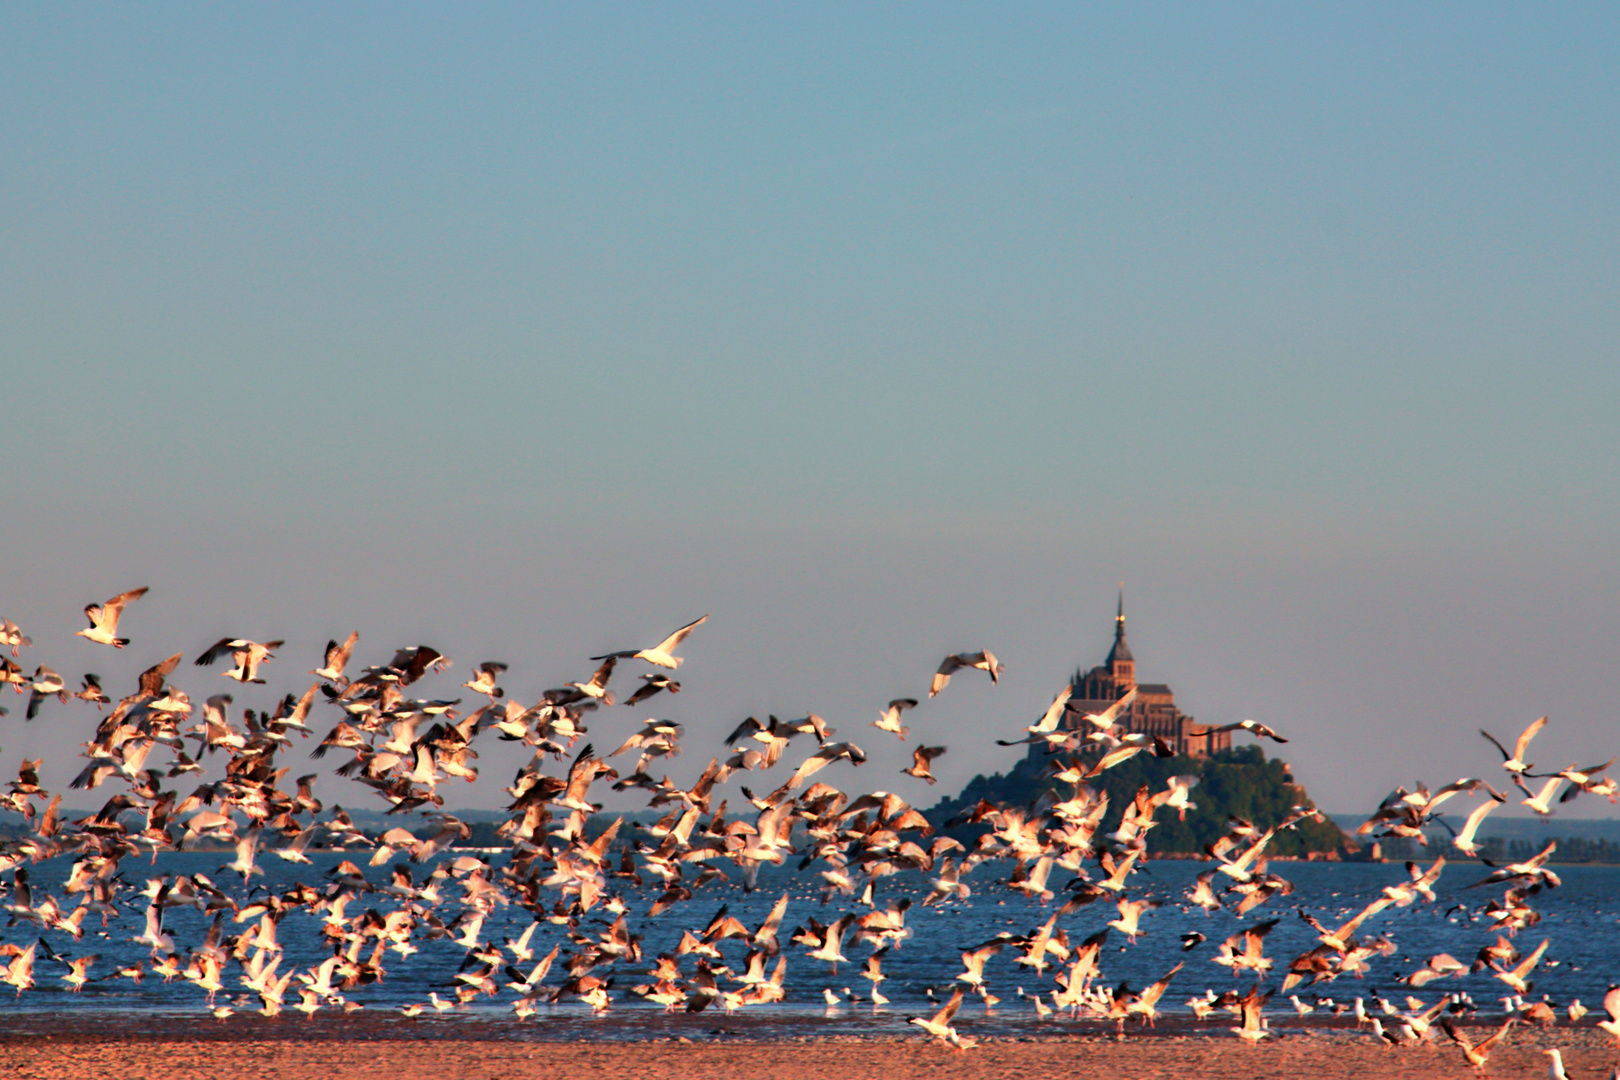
[(1241, 782)]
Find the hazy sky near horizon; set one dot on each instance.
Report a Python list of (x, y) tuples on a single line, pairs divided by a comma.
[(879, 332)]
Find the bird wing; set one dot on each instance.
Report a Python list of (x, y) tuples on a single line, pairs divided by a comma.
[(944, 1015), (1153, 993), (1493, 741), (744, 729), (1524, 739), (1252, 1006), (217, 649), (922, 755), (1054, 712), (1432, 874), (774, 920), (1545, 795), (1529, 963), (110, 610), (811, 765), (1456, 1034), (600, 678), (1478, 815), (1485, 1046), (1261, 730), (151, 680), (339, 654), (1107, 717), (678, 636), (300, 710), (1370, 910), (653, 684), (947, 667), (836, 932), (1109, 760)]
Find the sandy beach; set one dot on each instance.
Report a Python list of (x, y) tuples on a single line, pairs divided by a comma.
[(271, 1049)]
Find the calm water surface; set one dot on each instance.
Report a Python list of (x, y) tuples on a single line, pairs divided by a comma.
[(1579, 918)]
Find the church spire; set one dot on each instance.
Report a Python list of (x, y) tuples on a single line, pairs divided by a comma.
[(1121, 664), (1120, 651)]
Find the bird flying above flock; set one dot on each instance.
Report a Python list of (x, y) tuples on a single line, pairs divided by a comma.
[(662, 654), (104, 617), (982, 661)]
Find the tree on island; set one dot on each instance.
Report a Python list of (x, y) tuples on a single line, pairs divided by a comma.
[(1241, 782)]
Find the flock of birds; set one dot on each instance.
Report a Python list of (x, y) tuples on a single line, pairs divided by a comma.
[(561, 864)]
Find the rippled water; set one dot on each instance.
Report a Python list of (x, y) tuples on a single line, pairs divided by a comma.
[(1579, 918)]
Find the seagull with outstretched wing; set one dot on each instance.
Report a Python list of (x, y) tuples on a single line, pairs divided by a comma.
[(103, 618), (983, 661), (663, 653)]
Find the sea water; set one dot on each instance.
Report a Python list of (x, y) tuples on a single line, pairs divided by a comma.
[(1578, 918)]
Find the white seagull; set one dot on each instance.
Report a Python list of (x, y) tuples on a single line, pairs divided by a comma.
[(661, 654), (983, 661), (104, 619), (248, 656)]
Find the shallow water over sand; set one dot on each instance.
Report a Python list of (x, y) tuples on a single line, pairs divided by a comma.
[(1579, 918)]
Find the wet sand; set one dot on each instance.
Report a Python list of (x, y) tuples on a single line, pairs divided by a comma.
[(246, 1048)]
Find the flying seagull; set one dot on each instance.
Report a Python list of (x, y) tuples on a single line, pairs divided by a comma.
[(661, 654), (247, 655), (983, 661), (103, 618), (890, 720), (922, 758), (337, 658), (1515, 762)]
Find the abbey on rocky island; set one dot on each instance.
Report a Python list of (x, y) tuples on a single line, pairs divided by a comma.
[(1154, 711)]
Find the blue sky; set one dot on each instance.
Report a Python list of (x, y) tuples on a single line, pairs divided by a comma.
[(880, 332)]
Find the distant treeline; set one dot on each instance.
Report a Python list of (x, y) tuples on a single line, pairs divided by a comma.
[(1571, 849)]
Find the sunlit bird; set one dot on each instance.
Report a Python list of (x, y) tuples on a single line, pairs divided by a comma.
[(103, 618), (661, 654)]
